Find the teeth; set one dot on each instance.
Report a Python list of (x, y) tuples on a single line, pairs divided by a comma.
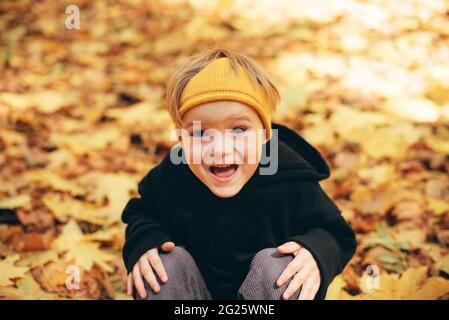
[(223, 170)]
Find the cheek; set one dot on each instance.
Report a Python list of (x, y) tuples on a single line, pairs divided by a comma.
[(247, 170), (192, 149), (196, 169), (251, 153)]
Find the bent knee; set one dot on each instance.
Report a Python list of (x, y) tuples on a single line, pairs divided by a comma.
[(270, 262), (264, 257), (175, 260), (177, 251)]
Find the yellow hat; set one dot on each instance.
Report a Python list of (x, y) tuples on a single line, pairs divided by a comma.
[(217, 82)]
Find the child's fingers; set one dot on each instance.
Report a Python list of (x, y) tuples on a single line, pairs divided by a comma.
[(306, 289), (297, 281), (315, 290), (289, 247), (168, 246), (138, 281), (294, 266), (157, 265), (129, 284), (148, 274)]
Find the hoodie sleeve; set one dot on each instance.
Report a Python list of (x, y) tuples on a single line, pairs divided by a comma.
[(143, 230), (329, 238)]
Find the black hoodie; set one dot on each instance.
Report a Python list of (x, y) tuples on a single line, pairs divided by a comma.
[(223, 234)]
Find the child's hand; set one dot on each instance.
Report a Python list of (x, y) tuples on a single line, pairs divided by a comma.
[(304, 270), (149, 261)]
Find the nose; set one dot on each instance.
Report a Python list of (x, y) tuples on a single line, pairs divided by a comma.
[(222, 148)]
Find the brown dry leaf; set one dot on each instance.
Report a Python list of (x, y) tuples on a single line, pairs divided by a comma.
[(39, 217), (52, 276), (409, 211), (32, 241), (56, 277), (374, 201)]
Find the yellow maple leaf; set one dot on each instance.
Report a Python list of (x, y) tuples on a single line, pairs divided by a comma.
[(15, 202), (80, 143), (26, 289), (10, 271), (86, 254), (412, 284), (77, 248), (64, 206), (334, 291), (47, 178), (36, 259), (115, 188)]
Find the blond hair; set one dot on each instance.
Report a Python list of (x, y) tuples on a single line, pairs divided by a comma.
[(196, 63)]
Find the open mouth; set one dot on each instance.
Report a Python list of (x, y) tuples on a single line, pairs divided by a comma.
[(223, 173)]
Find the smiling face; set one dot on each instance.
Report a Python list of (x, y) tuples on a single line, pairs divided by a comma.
[(223, 143)]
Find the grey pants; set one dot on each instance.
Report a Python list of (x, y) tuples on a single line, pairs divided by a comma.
[(185, 281)]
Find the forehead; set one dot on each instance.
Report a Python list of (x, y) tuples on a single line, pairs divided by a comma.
[(219, 111)]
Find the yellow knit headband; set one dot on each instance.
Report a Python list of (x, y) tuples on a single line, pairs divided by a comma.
[(218, 82)]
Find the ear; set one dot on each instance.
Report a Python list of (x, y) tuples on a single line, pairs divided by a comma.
[(263, 137), (264, 140)]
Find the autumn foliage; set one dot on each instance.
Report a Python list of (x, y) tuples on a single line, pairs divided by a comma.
[(82, 120)]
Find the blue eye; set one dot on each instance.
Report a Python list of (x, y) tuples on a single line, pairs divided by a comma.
[(198, 133), (239, 130)]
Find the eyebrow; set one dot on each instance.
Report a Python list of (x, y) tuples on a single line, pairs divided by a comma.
[(233, 117), (237, 117)]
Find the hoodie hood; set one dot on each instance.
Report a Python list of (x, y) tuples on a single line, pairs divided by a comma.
[(299, 155), (297, 159)]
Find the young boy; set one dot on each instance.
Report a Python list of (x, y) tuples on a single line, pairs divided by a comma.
[(210, 223)]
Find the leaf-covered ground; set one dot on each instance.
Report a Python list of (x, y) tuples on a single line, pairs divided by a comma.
[(82, 120)]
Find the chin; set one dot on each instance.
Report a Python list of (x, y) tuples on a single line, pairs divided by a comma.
[(227, 192), (224, 181)]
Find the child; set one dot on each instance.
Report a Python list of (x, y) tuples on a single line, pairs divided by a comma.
[(211, 224)]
